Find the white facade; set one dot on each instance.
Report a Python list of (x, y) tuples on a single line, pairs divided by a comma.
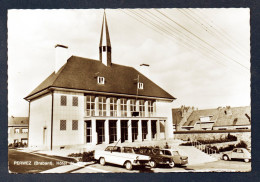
[(108, 125)]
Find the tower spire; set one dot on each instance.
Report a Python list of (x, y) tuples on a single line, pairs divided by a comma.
[(105, 44)]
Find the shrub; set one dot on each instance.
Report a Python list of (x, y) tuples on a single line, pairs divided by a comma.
[(241, 144), (75, 155), (88, 156)]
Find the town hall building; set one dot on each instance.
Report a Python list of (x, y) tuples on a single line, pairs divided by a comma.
[(90, 102)]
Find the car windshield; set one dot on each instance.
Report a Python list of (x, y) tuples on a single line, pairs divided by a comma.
[(113, 149), (175, 153), (128, 150), (167, 152)]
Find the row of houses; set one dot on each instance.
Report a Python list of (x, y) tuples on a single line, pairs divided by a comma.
[(221, 118)]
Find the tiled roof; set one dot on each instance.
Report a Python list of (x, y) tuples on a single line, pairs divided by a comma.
[(18, 121), (81, 73), (222, 116), (195, 116), (238, 117)]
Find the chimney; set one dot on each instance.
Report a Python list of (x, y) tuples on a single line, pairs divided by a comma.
[(61, 56)]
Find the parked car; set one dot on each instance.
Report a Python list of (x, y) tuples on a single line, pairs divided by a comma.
[(163, 156), (237, 153), (124, 156)]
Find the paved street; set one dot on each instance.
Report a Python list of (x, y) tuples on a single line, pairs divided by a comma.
[(23, 162), (217, 166)]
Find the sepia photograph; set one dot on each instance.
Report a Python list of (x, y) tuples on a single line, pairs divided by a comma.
[(159, 90)]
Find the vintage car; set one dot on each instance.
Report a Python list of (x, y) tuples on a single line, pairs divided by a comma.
[(237, 153), (163, 156), (123, 156)]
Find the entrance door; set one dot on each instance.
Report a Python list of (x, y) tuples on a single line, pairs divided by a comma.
[(100, 131), (134, 130), (144, 130), (112, 131), (124, 131), (153, 123)]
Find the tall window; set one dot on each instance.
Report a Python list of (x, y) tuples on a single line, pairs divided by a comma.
[(141, 108), (90, 105), (102, 106), (62, 124), (74, 124), (132, 105), (88, 132), (113, 107), (150, 108), (123, 107), (75, 101), (63, 100), (16, 130)]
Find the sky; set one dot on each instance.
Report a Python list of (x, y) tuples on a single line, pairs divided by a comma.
[(200, 56)]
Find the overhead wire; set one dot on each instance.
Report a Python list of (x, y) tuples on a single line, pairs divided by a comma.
[(202, 39), (166, 31)]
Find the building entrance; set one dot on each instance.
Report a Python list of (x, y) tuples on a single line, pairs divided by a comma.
[(134, 130), (112, 131), (144, 130), (124, 131), (100, 131), (153, 123)]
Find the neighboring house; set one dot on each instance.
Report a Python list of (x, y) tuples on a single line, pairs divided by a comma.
[(87, 101), (17, 130), (226, 118)]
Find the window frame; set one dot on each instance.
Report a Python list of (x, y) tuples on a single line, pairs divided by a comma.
[(140, 85), (101, 80), (132, 106), (102, 106), (75, 101), (150, 108), (18, 129), (123, 106), (63, 125), (24, 129), (63, 102), (142, 108), (90, 101), (73, 125), (113, 106)]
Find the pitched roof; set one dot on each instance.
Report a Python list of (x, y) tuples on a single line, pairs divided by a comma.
[(81, 73), (237, 116), (18, 121), (221, 116)]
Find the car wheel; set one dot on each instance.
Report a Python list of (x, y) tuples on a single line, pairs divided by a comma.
[(246, 160), (225, 157), (128, 165), (172, 164), (102, 161), (152, 164)]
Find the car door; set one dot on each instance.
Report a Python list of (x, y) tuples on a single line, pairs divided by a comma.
[(235, 154), (240, 154)]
